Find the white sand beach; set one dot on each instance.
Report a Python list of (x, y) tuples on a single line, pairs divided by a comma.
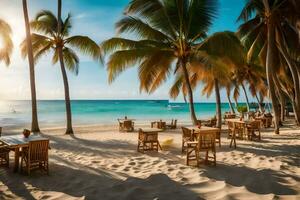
[(98, 162)]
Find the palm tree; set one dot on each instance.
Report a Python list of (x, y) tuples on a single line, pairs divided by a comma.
[(223, 54), (7, 46), (48, 38), (169, 33), (265, 34), (29, 51)]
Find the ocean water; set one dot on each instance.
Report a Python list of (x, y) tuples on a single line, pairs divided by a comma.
[(86, 112)]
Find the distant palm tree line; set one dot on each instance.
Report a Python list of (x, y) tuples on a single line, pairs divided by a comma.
[(171, 40)]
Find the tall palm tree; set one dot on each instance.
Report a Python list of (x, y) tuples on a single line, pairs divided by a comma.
[(169, 33), (7, 46), (224, 53), (47, 38), (29, 51), (265, 33)]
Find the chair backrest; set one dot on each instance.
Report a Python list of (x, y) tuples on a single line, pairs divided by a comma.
[(128, 124), (147, 137), (207, 140), (38, 150), (213, 122), (175, 123), (255, 124), (186, 133)]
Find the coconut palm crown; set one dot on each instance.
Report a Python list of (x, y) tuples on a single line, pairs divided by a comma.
[(51, 35), (45, 39), (168, 34)]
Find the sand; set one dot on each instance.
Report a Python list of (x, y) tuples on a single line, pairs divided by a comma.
[(98, 162)]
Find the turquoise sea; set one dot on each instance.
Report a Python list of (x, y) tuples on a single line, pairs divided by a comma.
[(86, 112)]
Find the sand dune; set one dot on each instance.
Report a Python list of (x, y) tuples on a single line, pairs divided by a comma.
[(101, 163)]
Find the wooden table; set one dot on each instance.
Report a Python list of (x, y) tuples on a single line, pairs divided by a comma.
[(243, 123), (18, 141), (148, 136), (158, 124), (202, 129)]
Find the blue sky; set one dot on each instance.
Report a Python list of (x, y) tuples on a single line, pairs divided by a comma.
[(96, 19)]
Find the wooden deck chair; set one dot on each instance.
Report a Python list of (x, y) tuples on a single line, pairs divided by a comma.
[(187, 136), (253, 130), (173, 124), (4, 155), (231, 133), (206, 142), (148, 142), (35, 156)]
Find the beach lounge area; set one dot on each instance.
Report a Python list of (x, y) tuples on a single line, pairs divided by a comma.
[(102, 160)]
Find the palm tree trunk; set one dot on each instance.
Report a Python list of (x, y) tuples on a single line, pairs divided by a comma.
[(270, 71), (259, 103), (190, 92), (293, 70), (34, 120), (282, 107), (218, 104), (236, 104), (64, 75), (67, 93), (229, 101), (246, 96)]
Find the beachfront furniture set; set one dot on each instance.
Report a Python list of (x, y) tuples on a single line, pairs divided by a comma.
[(239, 128), (148, 140), (32, 149), (126, 125), (198, 139)]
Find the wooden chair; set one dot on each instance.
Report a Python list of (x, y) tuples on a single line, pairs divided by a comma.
[(187, 136), (4, 155), (159, 124), (252, 129), (232, 134), (148, 141), (173, 124), (240, 131), (206, 142), (35, 156), (211, 123), (126, 126), (269, 120)]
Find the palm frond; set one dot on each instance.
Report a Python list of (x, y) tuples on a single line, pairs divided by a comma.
[(123, 59), (155, 12), (176, 87), (66, 26), (45, 22), (141, 29), (5, 36), (86, 45), (71, 60), (154, 70), (200, 16)]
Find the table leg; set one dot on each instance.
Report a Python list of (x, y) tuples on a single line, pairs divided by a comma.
[(17, 155)]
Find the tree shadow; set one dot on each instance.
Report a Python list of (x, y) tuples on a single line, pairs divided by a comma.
[(91, 183), (260, 181)]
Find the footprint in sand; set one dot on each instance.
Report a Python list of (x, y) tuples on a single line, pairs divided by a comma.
[(131, 163)]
